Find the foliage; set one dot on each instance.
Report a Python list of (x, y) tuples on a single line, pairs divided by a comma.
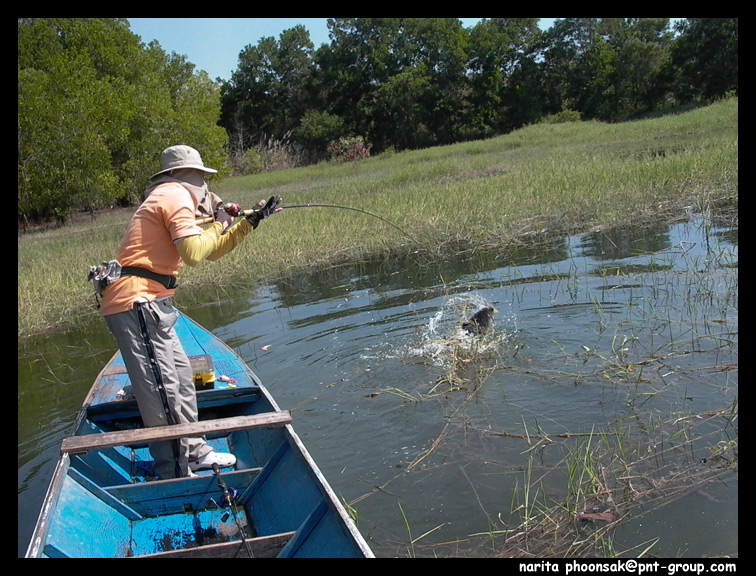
[(268, 93), (317, 129), (277, 154), (410, 83), (95, 108), (264, 155), (502, 57), (706, 53), (251, 163), (348, 149)]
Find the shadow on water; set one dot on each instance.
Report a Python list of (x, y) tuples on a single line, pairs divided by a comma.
[(601, 409)]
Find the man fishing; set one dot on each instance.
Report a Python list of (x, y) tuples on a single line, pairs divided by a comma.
[(137, 305)]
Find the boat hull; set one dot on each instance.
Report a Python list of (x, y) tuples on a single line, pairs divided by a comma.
[(104, 501)]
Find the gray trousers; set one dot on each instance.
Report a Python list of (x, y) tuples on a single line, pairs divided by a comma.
[(177, 402)]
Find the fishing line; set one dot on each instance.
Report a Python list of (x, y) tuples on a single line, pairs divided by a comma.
[(239, 212), (348, 208)]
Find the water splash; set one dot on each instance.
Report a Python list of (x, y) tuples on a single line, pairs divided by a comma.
[(442, 339)]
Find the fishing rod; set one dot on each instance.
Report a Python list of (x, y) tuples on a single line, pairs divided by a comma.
[(229, 499), (236, 210)]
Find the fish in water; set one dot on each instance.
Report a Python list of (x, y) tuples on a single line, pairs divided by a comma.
[(480, 322)]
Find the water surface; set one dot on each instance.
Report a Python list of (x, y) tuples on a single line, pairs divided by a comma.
[(621, 345)]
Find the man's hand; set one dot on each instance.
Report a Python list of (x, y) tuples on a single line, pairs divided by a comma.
[(266, 210), (224, 218)]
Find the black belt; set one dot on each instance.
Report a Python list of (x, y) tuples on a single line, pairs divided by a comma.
[(169, 282)]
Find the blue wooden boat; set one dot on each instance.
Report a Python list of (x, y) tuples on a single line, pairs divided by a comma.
[(104, 502)]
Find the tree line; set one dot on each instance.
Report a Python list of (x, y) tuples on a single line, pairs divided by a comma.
[(96, 104)]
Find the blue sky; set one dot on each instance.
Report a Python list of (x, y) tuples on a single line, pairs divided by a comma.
[(213, 44)]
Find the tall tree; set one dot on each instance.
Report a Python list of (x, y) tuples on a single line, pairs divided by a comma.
[(643, 48), (248, 99), (578, 65), (294, 66), (362, 55), (441, 52), (398, 81), (706, 56), (503, 75), (95, 107), (71, 113), (606, 68), (268, 95)]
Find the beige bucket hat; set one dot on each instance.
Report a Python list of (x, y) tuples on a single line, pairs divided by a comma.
[(181, 156)]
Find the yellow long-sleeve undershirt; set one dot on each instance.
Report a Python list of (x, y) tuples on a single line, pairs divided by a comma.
[(212, 243)]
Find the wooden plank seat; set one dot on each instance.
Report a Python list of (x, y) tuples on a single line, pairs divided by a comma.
[(261, 547), (82, 444)]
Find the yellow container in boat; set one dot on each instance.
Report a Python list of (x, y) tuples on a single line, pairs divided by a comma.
[(203, 373)]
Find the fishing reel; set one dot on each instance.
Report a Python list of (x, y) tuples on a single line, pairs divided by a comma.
[(229, 497), (229, 494), (233, 209), (254, 215)]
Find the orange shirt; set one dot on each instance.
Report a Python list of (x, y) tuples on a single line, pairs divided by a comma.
[(165, 216)]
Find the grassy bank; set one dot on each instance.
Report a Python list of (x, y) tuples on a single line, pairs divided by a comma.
[(563, 178)]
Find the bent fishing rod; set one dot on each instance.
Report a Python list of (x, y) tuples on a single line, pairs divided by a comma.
[(235, 210)]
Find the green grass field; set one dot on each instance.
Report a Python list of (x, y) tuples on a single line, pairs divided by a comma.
[(565, 178)]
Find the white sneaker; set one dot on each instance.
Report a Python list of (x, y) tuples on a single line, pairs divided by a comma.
[(222, 459)]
